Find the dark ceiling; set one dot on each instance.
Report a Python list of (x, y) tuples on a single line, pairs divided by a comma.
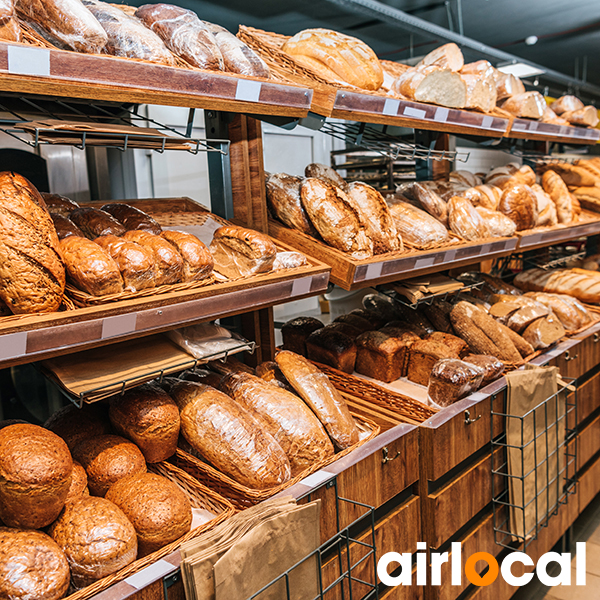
[(568, 32)]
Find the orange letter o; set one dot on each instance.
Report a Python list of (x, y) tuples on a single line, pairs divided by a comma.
[(474, 577)]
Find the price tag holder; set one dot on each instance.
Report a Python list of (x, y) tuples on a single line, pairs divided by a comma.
[(317, 478), (23, 60), (424, 262), (118, 325), (301, 287), (441, 115), (417, 113), (374, 271), (248, 90), (391, 107), (13, 345), (487, 122), (146, 576)]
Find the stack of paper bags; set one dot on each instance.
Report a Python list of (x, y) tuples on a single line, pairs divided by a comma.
[(253, 549), (428, 285)]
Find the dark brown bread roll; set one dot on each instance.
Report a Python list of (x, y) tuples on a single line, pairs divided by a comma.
[(65, 227), (198, 262), (106, 459), (148, 416), (96, 537), (158, 510), (94, 222), (332, 348), (32, 566), (59, 205), (35, 471), (78, 486), (296, 331), (167, 261), (132, 218)]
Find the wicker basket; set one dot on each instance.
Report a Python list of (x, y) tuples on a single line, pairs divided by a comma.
[(243, 497), (199, 497)]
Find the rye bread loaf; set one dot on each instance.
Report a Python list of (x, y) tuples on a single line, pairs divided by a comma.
[(333, 348), (295, 332), (59, 205)]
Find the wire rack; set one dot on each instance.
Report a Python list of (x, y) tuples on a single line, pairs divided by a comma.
[(533, 472), (377, 140), (430, 298), (16, 113)]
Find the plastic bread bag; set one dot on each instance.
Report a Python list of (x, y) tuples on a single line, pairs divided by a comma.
[(289, 260), (128, 37), (9, 27), (416, 227), (464, 220), (452, 379), (497, 223), (431, 202), (208, 341), (492, 366)]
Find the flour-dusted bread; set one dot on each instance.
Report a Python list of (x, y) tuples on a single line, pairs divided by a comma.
[(168, 263), (529, 104), (132, 218), (519, 203), (198, 262), (289, 420), (318, 392), (158, 509), (566, 103), (59, 205), (66, 23), (329, 52), (507, 85), (149, 417), (283, 198), (106, 459), (326, 174), (183, 33), (555, 187), (32, 275), (481, 91), (96, 537), (94, 222), (448, 56), (32, 566), (432, 84), (230, 437)]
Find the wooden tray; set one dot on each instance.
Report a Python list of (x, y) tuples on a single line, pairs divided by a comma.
[(351, 274)]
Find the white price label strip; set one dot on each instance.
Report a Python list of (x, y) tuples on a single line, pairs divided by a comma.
[(13, 345), (374, 270), (155, 571), (301, 286), (487, 122), (248, 90), (414, 112), (426, 261), (441, 115), (391, 107), (23, 60), (477, 396), (118, 325), (317, 478)]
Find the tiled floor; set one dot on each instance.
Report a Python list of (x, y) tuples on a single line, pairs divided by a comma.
[(585, 529)]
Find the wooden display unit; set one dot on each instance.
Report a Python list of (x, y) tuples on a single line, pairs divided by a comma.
[(527, 129)]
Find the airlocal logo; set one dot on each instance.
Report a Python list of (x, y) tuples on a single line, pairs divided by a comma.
[(437, 559)]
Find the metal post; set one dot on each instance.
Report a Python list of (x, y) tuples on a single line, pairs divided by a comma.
[(219, 165)]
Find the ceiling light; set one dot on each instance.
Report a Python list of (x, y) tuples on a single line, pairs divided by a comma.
[(531, 40), (520, 69)]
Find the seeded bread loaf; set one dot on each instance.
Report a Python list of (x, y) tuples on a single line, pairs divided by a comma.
[(296, 331)]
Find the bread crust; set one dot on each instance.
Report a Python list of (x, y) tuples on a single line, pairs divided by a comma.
[(519, 203), (198, 262), (132, 218), (283, 198)]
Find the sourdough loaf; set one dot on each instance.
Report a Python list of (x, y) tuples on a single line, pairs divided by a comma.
[(198, 262), (567, 314), (432, 202), (447, 56), (561, 281), (296, 331), (496, 223), (484, 196), (547, 215), (132, 218), (551, 117), (283, 198), (555, 187), (530, 105), (586, 116), (326, 174), (566, 103), (507, 85), (481, 91)]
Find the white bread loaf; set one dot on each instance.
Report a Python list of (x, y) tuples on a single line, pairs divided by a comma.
[(530, 105), (447, 56), (433, 84)]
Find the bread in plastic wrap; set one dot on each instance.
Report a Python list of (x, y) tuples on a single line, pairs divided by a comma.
[(127, 35), (464, 220), (237, 56), (240, 252), (431, 202), (582, 311), (416, 227), (135, 262), (453, 379), (9, 27), (184, 34), (492, 366), (289, 260), (229, 437), (283, 199), (167, 261), (519, 202), (132, 218), (207, 341), (65, 23), (288, 419), (486, 196), (198, 262), (318, 392), (547, 215), (544, 332), (497, 223)]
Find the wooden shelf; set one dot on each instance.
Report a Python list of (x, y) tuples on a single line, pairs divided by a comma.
[(30, 70), (546, 132), (549, 237)]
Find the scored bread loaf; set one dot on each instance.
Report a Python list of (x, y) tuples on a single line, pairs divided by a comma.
[(416, 227), (326, 174), (149, 417), (530, 105), (35, 470), (524, 175), (229, 436), (198, 262), (519, 203), (132, 217), (332, 347), (318, 392), (566, 103), (448, 56), (434, 85), (326, 51), (572, 175), (588, 197), (561, 281), (295, 332), (289, 420), (555, 187), (9, 27), (96, 537), (567, 314), (283, 198), (158, 509)]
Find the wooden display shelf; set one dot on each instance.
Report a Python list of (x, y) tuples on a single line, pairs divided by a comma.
[(28, 69), (547, 132), (530, 240), (351, 274)]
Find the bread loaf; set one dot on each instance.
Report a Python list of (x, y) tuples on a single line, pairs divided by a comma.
[(336, 220), (271, 373), (567, 314), (481, 91), (65, 23), (149, 417), (35, 471), (496, 223), (524, 175), (492, 367), (348, 58), (65, 227), (561, 281), (572, 175), (94, 223), (452, 379), (132, 218), (590, 167), (519, 203), (416, 227), (500, 175), (382, 306), (507, 85), (432, 84), (588, 197), (237, 57), (32, 566), (551, 117), (75, 424), (547, 215), (168, 263), (391, 71), (374, 318), (296, 331), (106, 459), (183, 33), (586, 116), (438, 312), (283, 198), (544, 332), (59, 205), (484, 196), (9, 27), (358, 321), (333, 348), (423, 355), (96, 537), (32, 276), (457, 345), (78, 485), (198, 262), (530, 105), (431, 202), (326, 174), (555, 187), (229, 437), (158, 509), (241, 252), (381, 355), (288, 419), (317, 391), (464, 220), (447, 56), (566, 103)]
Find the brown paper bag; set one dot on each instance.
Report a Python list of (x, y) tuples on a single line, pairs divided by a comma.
[(268, 551), (537, 456)]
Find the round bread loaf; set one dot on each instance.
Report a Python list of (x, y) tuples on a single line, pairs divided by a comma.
[(32, 566), (78, 483), (96, 537), (35, 471), (159, 511), (74, 424), (519, 203), (148, 416), (106, 459)]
